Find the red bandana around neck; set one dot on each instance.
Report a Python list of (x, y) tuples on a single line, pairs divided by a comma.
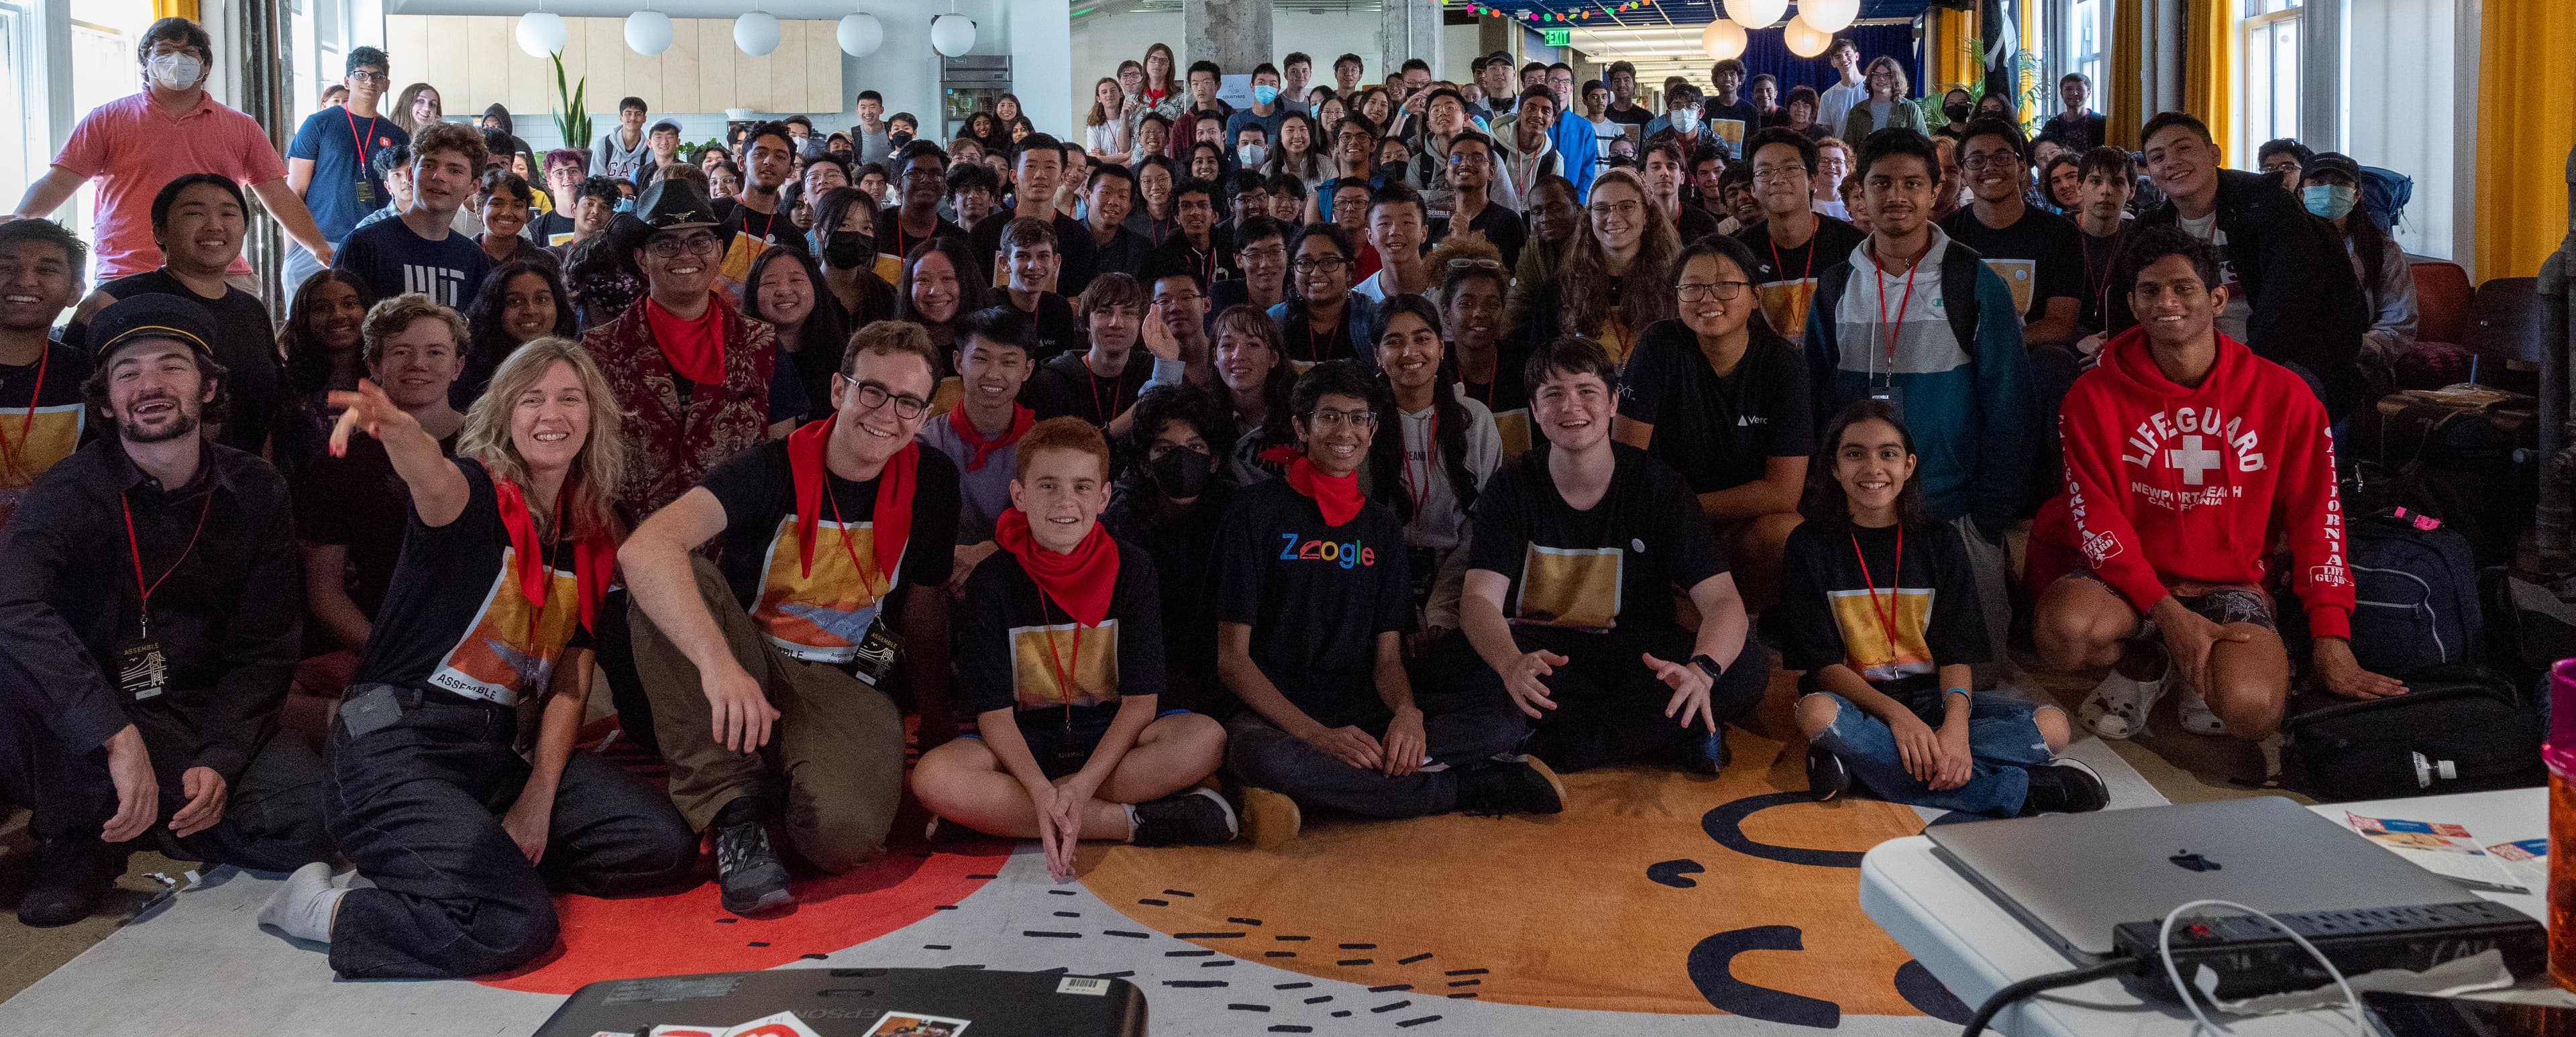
[(1079, 583), (893, 517), (594, 558), (694, 348), (1021, 419), (1337, 495)]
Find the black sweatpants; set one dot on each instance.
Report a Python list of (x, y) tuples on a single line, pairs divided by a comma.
[(272, 809), (417, 806), (1609, 706)]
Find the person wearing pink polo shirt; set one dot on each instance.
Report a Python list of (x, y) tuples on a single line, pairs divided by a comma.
[(134, 145)]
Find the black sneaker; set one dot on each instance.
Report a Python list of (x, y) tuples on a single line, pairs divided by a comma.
[(1198, 817), (747, 871), (1704, 752), (1497, 787), (2065, 786), (1827, 777), (70, 875)]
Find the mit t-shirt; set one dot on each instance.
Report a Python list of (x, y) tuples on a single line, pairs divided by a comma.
[(1315, 596), (1718, 431), (1931, 595), (245, 343), (1065, 385), (1786, 277), (391, 259), (42, 414), (454, 618), (1016, 649), (358, 501), (1615, 566), (342, 148), (2038, 256), (821, 615)]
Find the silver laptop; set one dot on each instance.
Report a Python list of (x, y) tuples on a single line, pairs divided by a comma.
[(2072, 877)]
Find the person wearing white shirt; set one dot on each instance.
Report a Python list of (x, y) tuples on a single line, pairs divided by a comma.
[(1838, 99)]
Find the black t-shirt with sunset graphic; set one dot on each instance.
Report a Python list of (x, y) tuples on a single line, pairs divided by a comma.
[(41, 419), (1015, 650), (821, 615), (455, 619), (1613, 567), (1832, 618)]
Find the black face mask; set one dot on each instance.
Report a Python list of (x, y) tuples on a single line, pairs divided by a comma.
[(1956, 112), (848, 249), (897, 140), (1182, 473)]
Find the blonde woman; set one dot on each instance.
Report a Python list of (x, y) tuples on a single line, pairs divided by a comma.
[(1605, 286), (460, 838), (417, 106), (1105, 130), (1885, 105)]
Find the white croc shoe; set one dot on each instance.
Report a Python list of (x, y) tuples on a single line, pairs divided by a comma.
[(2196, 715), (2118, 706)]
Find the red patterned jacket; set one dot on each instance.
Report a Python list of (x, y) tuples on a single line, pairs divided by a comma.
[(671, 446)]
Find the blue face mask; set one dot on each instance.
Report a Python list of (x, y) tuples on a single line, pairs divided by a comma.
[(1263, 94), (2327, 200), (626, 205)]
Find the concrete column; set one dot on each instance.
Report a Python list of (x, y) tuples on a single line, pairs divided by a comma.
[(1233, 33), (252, 37), (1042, 72), (1409, 29)]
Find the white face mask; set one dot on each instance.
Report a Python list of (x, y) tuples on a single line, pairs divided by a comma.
[(176, 71), (1685, 120), (1251, 154)]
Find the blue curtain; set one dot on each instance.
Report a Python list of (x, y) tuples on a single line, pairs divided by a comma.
[(1768, 51)]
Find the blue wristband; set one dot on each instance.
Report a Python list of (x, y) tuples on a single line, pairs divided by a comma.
[(1947, 692)]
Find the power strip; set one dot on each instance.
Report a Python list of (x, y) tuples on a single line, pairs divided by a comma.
[(2252, 958)]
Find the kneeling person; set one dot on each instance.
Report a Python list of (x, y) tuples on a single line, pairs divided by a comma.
[(462, 839), (2187, 456), (1070, 744), (1313, 603), (1579, 547)]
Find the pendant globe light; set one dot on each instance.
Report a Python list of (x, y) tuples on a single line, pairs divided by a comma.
[(1828, 15), (952, 34), (542, 32), (1722, 40), (756, 32), (1805, 40), (1756, 14), (860, 34), (648, 32)]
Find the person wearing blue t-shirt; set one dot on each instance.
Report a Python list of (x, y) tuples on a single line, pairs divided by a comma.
[(330, 163), (419, 251)]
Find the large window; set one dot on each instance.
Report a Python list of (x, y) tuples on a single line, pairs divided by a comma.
[(2084, 52), (2269, 95)]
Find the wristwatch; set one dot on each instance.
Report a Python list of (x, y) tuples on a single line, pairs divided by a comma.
[(1708, 666)]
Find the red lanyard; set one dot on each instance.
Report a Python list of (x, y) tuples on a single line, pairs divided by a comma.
[(1911, 266), (359, 138), (1117, 388), (846, 545), (1886, 619), (1065, 675), (2101, 289), (1341, 326), (137, 547), (1810, 269), (26, 424), (1430, 446)]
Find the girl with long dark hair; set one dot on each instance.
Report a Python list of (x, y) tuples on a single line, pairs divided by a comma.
[(1258, 379), (1600, 291), (1443, 448), (785, 289), (518, 303), (321, 342)]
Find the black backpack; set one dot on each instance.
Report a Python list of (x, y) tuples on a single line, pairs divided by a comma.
[(2458, 728), (2415, 591)]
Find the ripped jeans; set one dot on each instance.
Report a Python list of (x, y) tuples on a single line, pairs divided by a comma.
[(2001, 736)]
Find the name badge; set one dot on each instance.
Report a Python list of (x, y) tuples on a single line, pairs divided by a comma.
[(142, 672), (1892, 396)]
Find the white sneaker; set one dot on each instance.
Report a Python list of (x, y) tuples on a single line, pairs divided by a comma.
[(2197, 717), (2118, 706)]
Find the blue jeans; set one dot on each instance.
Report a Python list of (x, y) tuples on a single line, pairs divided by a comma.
[(2001, 736)]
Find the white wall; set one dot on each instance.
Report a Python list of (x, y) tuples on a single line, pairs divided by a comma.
[(1101, 41), (1041, 48), (2402, 100)]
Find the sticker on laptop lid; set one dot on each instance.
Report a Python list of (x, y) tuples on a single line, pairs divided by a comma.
[(783, 1024), (1083, 985), (915, 1024)]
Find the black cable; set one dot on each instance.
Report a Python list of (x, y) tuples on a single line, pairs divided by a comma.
[(2017, 991)]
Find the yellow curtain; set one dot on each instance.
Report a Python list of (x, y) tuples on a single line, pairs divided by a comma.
[(2526, 123), (1950, 33), (176, 9), (2128, 61), (2209, 74), (2028, 77)]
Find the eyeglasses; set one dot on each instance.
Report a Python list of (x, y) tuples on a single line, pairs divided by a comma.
[(1623, 209), (1723, 291), (672, 248), (1177, 299), (1975, 162), (1325, 264), (873, 396), (377, 78), (1474, 263), (1775, 174), (1327, 420), (1469, 159), (1272, 254)]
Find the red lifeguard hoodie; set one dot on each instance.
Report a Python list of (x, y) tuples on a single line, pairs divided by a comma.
[(2168, 484)]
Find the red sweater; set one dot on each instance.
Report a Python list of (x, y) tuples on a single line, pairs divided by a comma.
[(2168, 484)]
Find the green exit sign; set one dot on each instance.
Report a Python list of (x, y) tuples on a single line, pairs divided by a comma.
[(1557, 37)]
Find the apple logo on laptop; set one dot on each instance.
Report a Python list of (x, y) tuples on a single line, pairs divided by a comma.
[(2189, 861)]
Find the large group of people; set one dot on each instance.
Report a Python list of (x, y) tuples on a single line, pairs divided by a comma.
[(1381, 448)]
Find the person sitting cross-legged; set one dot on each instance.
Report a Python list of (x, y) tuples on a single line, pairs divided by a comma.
[(1069, 742), (1578, 550), (1886, 696), (1313, 604), (2187, 457)]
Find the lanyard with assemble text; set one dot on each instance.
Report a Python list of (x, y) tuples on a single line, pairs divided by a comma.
[(137, 547), (1911, 267)]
